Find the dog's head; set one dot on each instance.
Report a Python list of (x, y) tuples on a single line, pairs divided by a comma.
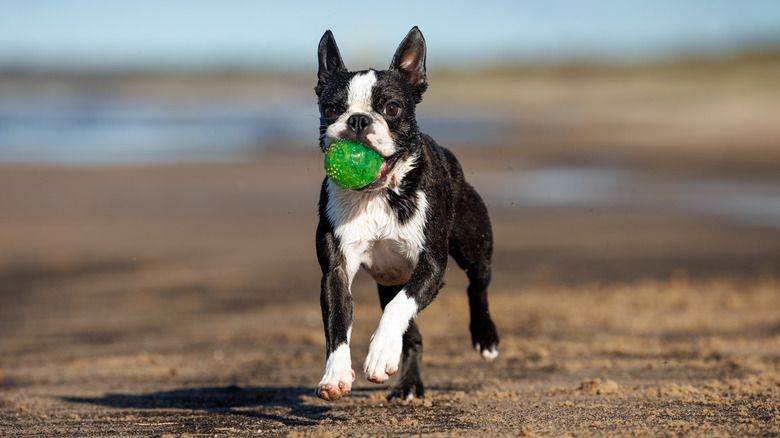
[(374, 107)]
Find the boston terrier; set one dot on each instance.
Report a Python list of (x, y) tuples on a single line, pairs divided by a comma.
[(400, 228)]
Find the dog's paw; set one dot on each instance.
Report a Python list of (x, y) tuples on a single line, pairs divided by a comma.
[(484, 338), (488, 353), (407, 390), (338, 378), (332, 388), (384, 355)]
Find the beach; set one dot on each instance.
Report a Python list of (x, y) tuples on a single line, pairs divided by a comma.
[(635, 282)]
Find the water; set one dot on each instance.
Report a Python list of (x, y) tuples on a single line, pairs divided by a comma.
[(84, 129), (742, 202), (101, 129)]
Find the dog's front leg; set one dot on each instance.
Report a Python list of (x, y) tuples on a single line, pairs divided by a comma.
[(336, 302), (384, 352)]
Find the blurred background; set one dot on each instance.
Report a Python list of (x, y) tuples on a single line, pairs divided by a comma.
[(149, 146), (140, 82)]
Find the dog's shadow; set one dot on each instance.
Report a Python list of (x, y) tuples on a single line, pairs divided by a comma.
[(230, 400)]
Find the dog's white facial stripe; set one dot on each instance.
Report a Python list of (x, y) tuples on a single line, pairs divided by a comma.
[(384, 352), (359, 92)]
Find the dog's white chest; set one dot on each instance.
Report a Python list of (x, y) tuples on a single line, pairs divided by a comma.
[(371, 235)]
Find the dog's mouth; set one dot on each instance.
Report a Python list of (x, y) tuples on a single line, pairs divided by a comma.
[(385, 170), (388, 165)]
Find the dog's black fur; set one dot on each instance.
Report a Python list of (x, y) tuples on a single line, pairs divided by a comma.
[(421, 191)]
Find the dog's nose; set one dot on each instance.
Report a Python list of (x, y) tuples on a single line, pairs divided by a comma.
[(358, 122)]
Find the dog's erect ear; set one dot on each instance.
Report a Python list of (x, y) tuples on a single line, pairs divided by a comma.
[(329, 59), (409, 59)]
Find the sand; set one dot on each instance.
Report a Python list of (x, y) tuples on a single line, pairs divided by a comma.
[(184, 301)]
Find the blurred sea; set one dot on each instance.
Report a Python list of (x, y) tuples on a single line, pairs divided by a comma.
[(88, 128)]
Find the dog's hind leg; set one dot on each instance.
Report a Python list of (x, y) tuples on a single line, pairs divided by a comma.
[(471, 245), (410, 384)]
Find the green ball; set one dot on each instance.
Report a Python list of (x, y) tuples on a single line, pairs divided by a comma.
[(351, 165)]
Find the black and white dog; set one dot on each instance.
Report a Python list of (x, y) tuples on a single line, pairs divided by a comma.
[(399, 228)]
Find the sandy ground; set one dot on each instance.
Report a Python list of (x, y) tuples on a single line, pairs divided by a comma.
[(183, 301)]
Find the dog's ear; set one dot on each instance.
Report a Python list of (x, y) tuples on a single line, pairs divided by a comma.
[(329, 60), (409, 59)]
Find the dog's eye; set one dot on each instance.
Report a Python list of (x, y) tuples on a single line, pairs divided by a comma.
[(331, 112), (392, 109)]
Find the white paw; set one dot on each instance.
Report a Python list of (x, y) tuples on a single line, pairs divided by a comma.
[(334, 389), (488, 354), (338, 378), (384, 355)]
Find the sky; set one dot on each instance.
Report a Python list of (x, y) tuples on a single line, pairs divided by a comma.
[(283, 35)]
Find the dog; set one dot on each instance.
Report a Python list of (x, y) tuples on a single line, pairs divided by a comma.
[(400, 228)]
